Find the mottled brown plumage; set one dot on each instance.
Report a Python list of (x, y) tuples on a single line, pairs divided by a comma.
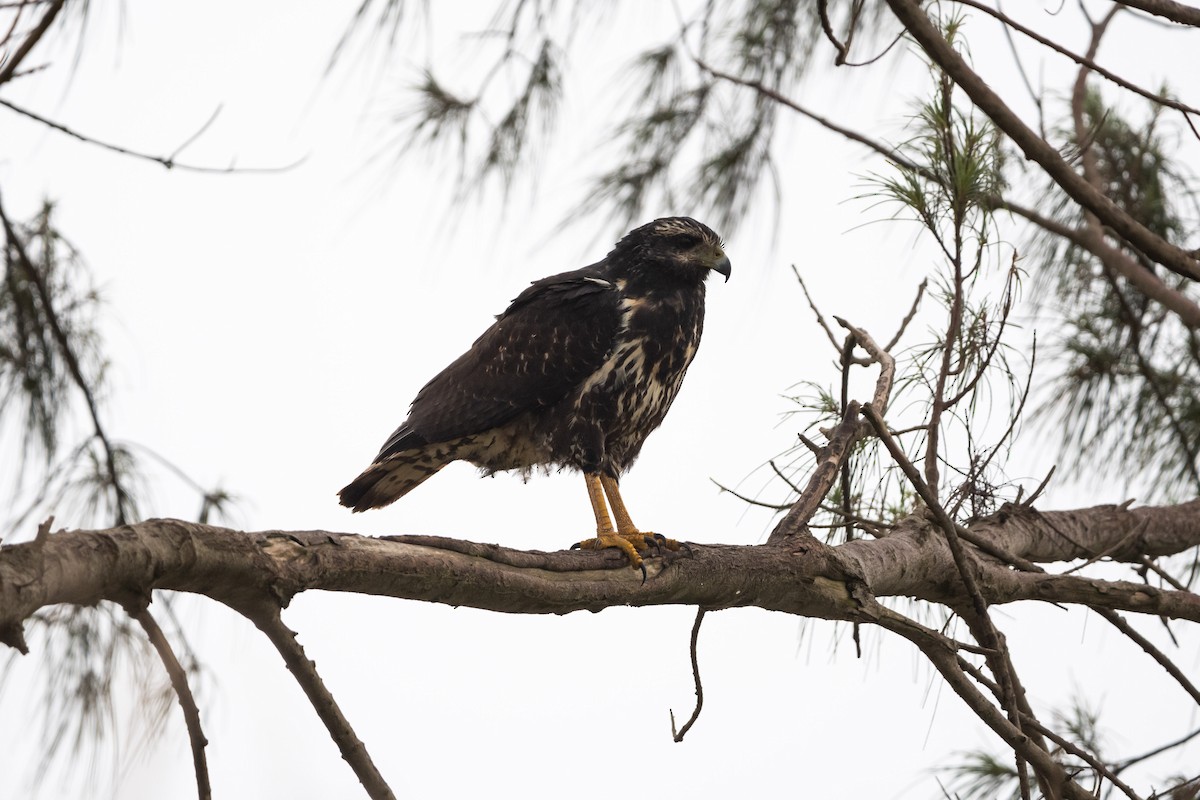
[(577, 372)]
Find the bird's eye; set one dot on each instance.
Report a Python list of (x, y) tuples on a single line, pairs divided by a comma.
[(686, 241)]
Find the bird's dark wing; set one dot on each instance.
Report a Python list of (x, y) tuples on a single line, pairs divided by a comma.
[(550, 339)]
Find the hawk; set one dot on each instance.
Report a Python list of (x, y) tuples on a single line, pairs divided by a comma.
[(576, 373)]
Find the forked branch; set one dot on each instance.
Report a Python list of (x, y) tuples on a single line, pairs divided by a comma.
[(842, 439)]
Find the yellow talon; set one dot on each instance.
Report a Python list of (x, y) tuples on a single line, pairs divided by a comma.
[(631, 544), (626, 538)]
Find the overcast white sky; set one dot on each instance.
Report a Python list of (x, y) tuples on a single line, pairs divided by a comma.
[(268, 332)]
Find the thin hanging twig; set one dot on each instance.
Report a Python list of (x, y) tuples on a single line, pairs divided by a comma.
[(678, 735)]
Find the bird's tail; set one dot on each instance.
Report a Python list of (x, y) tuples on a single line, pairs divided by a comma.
[(392, 477)]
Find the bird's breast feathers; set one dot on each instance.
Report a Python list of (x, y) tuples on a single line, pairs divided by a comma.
[(655, 344)]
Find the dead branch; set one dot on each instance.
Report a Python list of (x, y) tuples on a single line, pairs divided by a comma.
[(1118, 622), (266, 617), (944, 659), (880, 356), (1168, 9), (800, 576), (183, 693), (687, 726), (816, 312)]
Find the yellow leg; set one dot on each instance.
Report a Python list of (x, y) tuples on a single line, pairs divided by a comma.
[(596, 495), (624, 523), (625, 526), (626, 538)]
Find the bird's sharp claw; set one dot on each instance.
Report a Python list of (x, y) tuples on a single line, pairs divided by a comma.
[(632, 544)]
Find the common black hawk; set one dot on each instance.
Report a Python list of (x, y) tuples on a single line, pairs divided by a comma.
[(577, 372)]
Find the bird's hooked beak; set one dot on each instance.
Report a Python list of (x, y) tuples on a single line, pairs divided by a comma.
[(723, 266)]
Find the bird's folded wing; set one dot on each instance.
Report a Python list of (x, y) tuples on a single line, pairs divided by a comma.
[(554, 335)]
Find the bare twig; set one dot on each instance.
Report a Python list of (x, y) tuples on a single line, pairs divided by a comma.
[(1041, 487), (912, 312), (827, 27), (846, 488), (1162, 573), (1134, 532), (1014, 417), (841, 441), (1129, 762), (183, 693), (886, 151), (997, 552), (1034, 96), (982, 624), (829, 461), (1118, 622), (199, 132), (751, 500), (775, 468), (816, 312), (813, 447), (166, 161), (965, 568), (1099, 766), (266, 617), (678, 735), (44, 529)]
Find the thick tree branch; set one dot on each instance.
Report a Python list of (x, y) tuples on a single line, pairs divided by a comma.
[(1168, 9), (238, 568), (258, 573), (803, 577)]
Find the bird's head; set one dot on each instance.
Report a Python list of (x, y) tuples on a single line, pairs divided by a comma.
[(679, 247)]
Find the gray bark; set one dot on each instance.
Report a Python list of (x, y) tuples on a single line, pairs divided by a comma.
[(802, 576)]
